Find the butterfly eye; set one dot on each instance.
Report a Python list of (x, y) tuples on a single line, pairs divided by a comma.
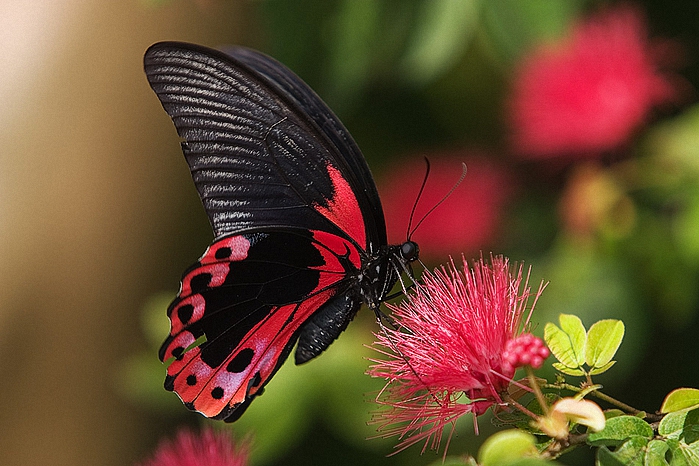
[(409, 251)]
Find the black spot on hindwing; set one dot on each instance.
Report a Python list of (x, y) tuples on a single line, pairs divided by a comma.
[(223, 253), (217, 393), (200, 282), (241, 361), (184, 313)]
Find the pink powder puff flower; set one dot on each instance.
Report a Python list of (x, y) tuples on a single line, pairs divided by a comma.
[(467, 221), (453, 353), (209, 448), (588, 95)]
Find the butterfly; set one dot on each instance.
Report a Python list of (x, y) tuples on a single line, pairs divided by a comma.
[(300, 237)]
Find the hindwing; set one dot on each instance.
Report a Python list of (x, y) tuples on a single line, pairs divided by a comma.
[(241, 308)]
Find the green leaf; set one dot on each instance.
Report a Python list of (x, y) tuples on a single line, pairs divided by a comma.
[(681, 398), (633, 450), (683, 454), (602, 369), (506, 446), (573, 326), (681, 425), (610, 413), (567, 370), (655, 453), (567, 343), (630, 453), (672, 424), (606, 458), (603, 340), (619, 429)]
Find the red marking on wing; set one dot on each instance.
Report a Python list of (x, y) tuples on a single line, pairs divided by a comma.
[(183, 340), (199, 307), (331, 248), (343, 209), (238, 245), (218, 272), (338, 247), (267, 339)]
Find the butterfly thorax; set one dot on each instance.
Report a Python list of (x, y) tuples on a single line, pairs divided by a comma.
[(380, 274)]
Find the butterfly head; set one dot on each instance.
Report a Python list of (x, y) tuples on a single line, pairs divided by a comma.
[(409, 251)]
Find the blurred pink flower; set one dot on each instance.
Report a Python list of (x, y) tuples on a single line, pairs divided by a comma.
[(209, 448), (587, 95), (466, 222), (453, 353)]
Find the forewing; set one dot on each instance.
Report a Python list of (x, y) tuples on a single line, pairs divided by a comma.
[(240, 310), (263, 149)]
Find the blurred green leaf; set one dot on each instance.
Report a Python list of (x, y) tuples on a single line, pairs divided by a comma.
[(348, 392), (679, 399), (280, 417), (504, 447), (588, 281), (440, 38), (154, 320), (603, 340), (675, 143), (140, 379), (514, 25), (357, 28), (687, 225)]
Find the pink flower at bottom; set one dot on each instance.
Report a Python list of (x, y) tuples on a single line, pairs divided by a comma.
[(452, 354), (588, 95), (209, 448)]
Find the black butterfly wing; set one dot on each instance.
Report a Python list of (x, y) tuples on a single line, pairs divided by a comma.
[(262, 147), (249, 303), (294, 209)]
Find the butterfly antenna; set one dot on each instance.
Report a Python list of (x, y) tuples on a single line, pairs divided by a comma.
[(464, 169), (417, 199)]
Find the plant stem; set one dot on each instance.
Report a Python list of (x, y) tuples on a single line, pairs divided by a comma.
[(521, 407), (598, 394), (615, 402), (534, 385)]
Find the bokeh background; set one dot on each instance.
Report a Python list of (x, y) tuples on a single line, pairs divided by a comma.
[(578, 121)]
